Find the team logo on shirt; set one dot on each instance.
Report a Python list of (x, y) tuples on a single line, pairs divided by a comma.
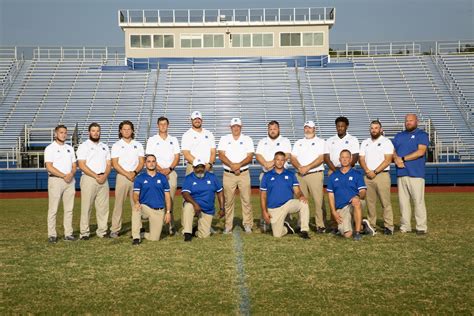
[(272, 179), (206, 137), (241, 143), (228, 143), (312, 144), (265, 144), (379, 144), (208, 181), (337, 179), (146, 181), (286, 177), (135, 146), (123, 147), (158, 181), (157, 144), (412, 136), (103, 148), (68, 150), (278, 144), (194, 183), (347, 142), (171, 143), (350, 178)]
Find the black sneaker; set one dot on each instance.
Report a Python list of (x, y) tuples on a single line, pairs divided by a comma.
[(357, 236), (367, 228), (69, 238), (387, 231), (52, 240), (320, 230), (334, 231), (194, 233), (136, 242), (188, 237), (142, 232), (420, 232), (85, 238), (289, 228), (304, 235)]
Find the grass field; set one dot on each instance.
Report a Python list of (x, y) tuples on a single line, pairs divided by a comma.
[(239, 273)]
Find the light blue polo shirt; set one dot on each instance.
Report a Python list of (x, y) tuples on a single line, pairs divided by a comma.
[(152, 189), (405, 143), (345, 186), (279, 187), (203, 190)]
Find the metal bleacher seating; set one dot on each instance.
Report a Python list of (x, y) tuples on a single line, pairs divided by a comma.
[(461, 68)]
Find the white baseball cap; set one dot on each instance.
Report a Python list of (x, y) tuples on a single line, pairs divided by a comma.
[(235, 121), (195, 115), (197, 162), (309, 124)]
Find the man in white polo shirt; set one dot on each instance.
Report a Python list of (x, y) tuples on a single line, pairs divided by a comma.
[(198, 143), (236, 153), (60, 162), (375, 158), (307, 157), (93, 158), (265, 154), (127, 159), (335, 144), (166, 150)]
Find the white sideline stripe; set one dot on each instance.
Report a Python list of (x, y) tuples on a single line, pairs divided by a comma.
[(244, 304)]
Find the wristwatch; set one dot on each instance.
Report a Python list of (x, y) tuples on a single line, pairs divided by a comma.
[(403, 158), (135, 172), (168, 212), (171, 168)]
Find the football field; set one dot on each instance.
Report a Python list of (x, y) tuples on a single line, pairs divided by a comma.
[(239, 273)]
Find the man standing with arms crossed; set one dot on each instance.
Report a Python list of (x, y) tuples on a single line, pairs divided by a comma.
[(127, 160), (265, 154), (198, 143), (375, 158), (94, 160), (346, 189), (166, 150), (307, 157), (409, 157), (236, 152), (151, 197), (277, 188), (60, 162)]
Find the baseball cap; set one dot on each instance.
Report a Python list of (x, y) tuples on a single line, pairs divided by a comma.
[(309, 124), (197, 162), (195, 115), (235, 121)]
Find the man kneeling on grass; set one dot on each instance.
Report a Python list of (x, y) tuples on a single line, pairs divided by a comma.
[(199, 189), (346, 187), (276, 198), (151, 193)]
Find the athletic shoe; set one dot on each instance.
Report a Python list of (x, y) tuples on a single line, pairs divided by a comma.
[(247, 229), (289, 228), (52, 240), (85, 238), (357, 236), (387, 231), (69, 238), (320, 230), (226, 232), (142, 233), (420, 232), (171, 230), (114, 234), (367, 229), (136, 242), (213, 231), (405, 231), (188, 237), (304, 235)]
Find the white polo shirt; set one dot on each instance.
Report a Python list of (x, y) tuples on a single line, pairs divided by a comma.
[(334, 146), (128, 153), (374, 151), (94, 154), (267, 147), (236, 150), (307, 150), (62, 156), (199, 144), (163, 149)]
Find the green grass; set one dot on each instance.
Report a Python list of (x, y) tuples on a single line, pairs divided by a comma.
[(325, 275)]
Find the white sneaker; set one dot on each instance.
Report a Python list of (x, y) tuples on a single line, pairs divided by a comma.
[(247, 229), (212, 231), (226, 232)]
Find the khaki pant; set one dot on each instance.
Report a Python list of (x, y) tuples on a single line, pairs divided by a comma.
[(312, 185), (279, 214), (231, 182), (204, 221), (156, 220), (347, 214), (57, 189), (92, 192), (123, 188), (379, 187), (413, 188), (173, 182)]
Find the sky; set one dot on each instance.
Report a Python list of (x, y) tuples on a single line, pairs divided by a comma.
[(94, 22)]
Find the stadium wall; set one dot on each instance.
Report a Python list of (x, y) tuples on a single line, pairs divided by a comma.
[(37, 179)]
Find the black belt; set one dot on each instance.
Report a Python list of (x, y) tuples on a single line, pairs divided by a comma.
[(225, 170), (385, 171), (308, 173), (99, 174), (157, 209), (53, 176)]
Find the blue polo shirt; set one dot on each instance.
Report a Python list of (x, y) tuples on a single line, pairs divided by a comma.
[(345, 186), (405, 143), (203, 190), (152, 189), (279, 187)]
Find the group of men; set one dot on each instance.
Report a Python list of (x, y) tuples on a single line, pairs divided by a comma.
[(282, 192)]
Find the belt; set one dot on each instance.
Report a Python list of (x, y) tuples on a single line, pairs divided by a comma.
[(99, 174), (308, 173), (225, 170), (385, 171), (53, 176), (158, 209)]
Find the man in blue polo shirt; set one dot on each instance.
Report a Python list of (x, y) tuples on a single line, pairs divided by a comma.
[(346, 188), (409, 157), (199, 189), (151, 194), (276, 199)]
